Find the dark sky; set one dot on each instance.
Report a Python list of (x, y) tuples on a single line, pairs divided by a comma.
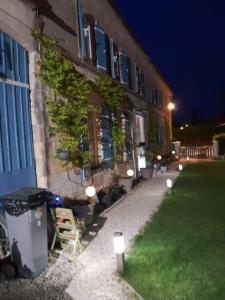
[(186, 41)]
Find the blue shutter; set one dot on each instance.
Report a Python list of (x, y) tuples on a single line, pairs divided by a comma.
[(105, 138), (124, 79), (8, 58), (128, 137), (81, 29), (100, 49), (2, 71), (16, 148), (111, 57), (142, 84)]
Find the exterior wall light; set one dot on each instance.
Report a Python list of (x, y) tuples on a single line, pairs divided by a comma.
[(119, 248), (130, 172), (90, 191), (159, 157), (171, 106)]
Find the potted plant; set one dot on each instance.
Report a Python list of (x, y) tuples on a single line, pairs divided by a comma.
[(146, 173), (82, 208)]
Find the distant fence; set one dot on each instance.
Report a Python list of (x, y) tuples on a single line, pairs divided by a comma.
[(197, 152)]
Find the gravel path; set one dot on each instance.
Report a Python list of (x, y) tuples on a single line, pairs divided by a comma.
[(94, 276)]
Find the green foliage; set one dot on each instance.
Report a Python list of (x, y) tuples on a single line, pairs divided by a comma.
[(113, 97), (67, 98), (167, 130), (110, 92), (151, 147)]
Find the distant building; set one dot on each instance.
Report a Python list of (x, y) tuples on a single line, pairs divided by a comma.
[(93, 36)]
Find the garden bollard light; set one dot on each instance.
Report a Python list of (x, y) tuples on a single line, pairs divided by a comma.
[(119, 248), (180, 167), (169, 185)]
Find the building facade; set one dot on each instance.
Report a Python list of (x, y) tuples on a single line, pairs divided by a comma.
[(93, 36)]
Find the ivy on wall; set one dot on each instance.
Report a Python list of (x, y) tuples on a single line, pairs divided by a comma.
[(113, 97), (67, 92), (167, 130)]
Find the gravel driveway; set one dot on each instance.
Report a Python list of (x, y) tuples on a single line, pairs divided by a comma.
[(94, 276)]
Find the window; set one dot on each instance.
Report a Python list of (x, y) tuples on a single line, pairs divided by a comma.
[(159, 134), (100, 47), (81, 29), (124, 78), (126, 126), (116, 62), (111, 55), (138, 78), (105, 138), (140, 132)]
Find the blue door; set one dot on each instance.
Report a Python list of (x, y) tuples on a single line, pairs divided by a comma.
[(16, 149)]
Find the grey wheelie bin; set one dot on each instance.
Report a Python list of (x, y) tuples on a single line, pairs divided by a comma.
[(26, 219)]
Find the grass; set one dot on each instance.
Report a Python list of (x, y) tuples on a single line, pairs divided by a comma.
[(181, 253)]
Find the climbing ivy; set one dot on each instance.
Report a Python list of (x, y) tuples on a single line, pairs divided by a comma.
[(67, 92), (113, 97), (167, 130), (151, 148)]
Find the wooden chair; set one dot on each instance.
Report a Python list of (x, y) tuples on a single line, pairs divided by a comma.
[(66, 231)]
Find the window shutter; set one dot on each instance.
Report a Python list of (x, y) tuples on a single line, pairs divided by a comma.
[(127, 132), (105, 139), (142, 84), (111, 55), (81, 29), (116, 61), (100, 49), (123, 68)]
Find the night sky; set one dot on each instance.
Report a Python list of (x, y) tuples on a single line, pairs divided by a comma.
[(186, 41)]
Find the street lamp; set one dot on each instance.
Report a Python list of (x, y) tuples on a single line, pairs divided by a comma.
[(171, 107)]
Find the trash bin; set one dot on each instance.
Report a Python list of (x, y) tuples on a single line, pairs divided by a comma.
[(26, 218)]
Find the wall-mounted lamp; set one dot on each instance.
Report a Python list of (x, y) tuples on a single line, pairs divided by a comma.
[(130, 172), (173, 152), (90, 191), (159, 157), (119, 248)]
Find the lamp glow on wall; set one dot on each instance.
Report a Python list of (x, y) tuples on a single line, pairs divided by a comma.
[(171, 106), (90, 191), (130, 172), (119, 248)]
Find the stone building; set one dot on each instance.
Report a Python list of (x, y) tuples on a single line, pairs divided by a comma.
[(94, 37)]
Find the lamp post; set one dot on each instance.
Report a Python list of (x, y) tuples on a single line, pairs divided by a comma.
[(119, 248), (171, 107)]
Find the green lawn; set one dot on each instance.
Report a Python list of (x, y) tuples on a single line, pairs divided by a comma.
[(181, 253)]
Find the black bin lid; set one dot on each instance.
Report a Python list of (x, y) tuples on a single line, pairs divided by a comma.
[(24, 194)]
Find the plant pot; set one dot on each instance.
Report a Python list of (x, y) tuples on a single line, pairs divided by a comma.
[(63, 155), (105, 200), (146, 173), (84, 210), (126, 183), (163, 169)]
